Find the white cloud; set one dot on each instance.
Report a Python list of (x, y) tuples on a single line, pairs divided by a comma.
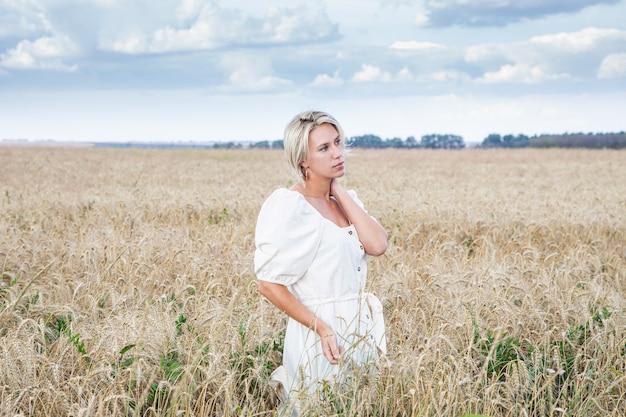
[(188, 9), (448, 76), (13, 24), (482, 53), (133, 43), (205, 26), (370, 73), (245, 79), (583, 40), (18, 19), (560, 56), (422, 19), (519, 73), (404, 75), (325, 80), (246, 74), (43, 53), (613, 66), (415, 46), (550, 46)]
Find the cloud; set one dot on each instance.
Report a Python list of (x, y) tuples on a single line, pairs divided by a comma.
[(246, 79), (415, 46), (16, 23), (485, 53), (519, 73), (247, 74), (551, 60), (560, 56), (448, 76), (238, 46), (613, 66), (583, 40), (130, 43), (205, 26), (43, 53), (43, 45), (371, 73), (440, 13), (325, 80), (546, 46)]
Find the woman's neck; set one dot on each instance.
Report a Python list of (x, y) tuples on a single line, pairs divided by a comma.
[(314, 189)]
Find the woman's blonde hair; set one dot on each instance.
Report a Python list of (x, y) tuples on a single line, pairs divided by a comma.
[(296, 138)]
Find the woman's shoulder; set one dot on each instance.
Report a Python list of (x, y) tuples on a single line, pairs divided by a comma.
[(352, 193), (286, 203), (283, 196)]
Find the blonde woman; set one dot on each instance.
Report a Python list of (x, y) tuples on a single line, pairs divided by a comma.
[(312, 242)]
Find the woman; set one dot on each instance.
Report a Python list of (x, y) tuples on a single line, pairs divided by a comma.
[(311, 246)]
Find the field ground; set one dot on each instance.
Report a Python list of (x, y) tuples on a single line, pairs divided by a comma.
[(127, 283)]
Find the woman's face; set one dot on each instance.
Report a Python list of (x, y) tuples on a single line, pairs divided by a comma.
[(326, 157)]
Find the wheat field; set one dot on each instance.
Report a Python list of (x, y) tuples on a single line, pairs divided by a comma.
[(128, 289)]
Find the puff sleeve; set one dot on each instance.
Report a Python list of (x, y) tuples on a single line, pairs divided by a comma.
[(287, 236), (353, 195)]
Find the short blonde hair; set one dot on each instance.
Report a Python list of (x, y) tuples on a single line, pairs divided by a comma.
[(296, 138)]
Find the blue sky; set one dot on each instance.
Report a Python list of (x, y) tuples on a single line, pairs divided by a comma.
[(217, 70)]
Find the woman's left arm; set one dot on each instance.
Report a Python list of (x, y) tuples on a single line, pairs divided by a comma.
[(371, 234)]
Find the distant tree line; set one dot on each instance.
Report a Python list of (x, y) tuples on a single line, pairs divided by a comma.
[(227, 145), (565, 140), (434, 141), (449, 141), (266, 144)]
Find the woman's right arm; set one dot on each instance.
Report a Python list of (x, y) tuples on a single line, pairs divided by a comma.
[(282, 298)]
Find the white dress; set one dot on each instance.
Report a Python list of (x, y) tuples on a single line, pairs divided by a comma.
[(324, 266)]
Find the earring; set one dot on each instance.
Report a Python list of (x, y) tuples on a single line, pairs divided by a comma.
[(306, 174)]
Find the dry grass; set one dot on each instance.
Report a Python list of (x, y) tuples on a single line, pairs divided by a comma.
[(127, 283)]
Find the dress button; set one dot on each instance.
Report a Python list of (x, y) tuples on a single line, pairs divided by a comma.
[(361, 247), (359, 269), (350, 232)]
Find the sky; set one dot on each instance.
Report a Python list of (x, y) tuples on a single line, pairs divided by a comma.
[(237, 70)]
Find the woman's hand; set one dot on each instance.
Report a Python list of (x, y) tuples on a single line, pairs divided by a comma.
[(335, 187), (332, 352), (282, 298), (371, 234)]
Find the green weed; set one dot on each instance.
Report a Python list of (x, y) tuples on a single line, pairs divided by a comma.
[(55, 326), (217, 217), (254, 364)]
